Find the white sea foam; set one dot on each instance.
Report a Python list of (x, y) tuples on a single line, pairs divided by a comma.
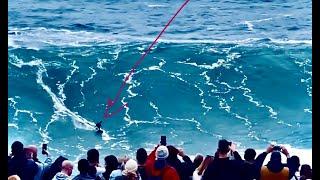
[(13, 125), (156, 109), (100, 63), (249, 25), (197, 123), (37, 38), (153, 68), (291, 41), (61, 86), (60, 108), (219, 63), (156, 5)]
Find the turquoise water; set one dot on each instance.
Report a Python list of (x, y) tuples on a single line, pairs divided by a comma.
[(238, 70)]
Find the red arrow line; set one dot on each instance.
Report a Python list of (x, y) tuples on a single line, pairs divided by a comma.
[(112, 102)]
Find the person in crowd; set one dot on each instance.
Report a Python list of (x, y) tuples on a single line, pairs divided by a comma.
[(293, 163), (66, 171), (157, 167), (249, 170), (198, 172), (19, 165), (92, 173), (223, 168), (184, 169), (197, 161), (130, 171), (32, 154), (275, 169), (122, 161), (53, 169), (14, 177), (93, 158), (111, 166), (305, 172), (141, 156), (83, 167)]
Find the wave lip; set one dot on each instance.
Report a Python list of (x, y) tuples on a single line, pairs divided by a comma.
[(37, 38)]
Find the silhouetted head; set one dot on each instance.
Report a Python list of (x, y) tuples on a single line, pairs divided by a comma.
[(197, 160), (93, 156), (294, 162), (67, 167), (173, 152), (203, 166), (306, 171), (31, 152), (141, 156), (162, 153), (130, 167), (17, 148), (249, 154), (14, 177), (111, 162), (223, 146), (83, 166), (275, 157)]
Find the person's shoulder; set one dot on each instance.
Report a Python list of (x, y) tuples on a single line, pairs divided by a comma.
[(100, 169), (213, 163), (115, 173), (195, 175), (31, 163)]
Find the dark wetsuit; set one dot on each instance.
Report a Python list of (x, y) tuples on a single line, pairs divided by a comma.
[(98, 125)]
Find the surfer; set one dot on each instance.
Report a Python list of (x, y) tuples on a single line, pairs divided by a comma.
[(98, 126)]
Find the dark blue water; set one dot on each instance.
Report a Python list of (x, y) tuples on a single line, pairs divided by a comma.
[(239, 70)]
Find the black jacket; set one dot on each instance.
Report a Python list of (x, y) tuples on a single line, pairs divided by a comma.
[(184, 169), (223, 168), (142, 172), (251, 170), (24, 168)]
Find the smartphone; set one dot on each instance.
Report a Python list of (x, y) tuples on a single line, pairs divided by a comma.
[(163, 140), (44, 148)]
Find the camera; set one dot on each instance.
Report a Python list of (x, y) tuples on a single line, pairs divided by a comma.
[(276, 148)]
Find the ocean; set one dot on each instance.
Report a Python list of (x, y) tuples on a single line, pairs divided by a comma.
[(239, 70)]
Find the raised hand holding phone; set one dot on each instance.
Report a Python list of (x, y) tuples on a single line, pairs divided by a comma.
[(233, 147), (44, 149), (163, 140)]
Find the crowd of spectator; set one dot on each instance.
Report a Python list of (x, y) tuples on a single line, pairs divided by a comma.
[(165, 162)]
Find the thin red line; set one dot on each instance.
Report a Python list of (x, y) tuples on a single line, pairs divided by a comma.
[(141, 59)]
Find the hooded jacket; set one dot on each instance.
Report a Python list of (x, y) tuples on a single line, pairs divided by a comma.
[(24, 168), (223, 168), (167, 173)]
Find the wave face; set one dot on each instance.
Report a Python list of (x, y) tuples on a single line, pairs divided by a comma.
[(234, 70)]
